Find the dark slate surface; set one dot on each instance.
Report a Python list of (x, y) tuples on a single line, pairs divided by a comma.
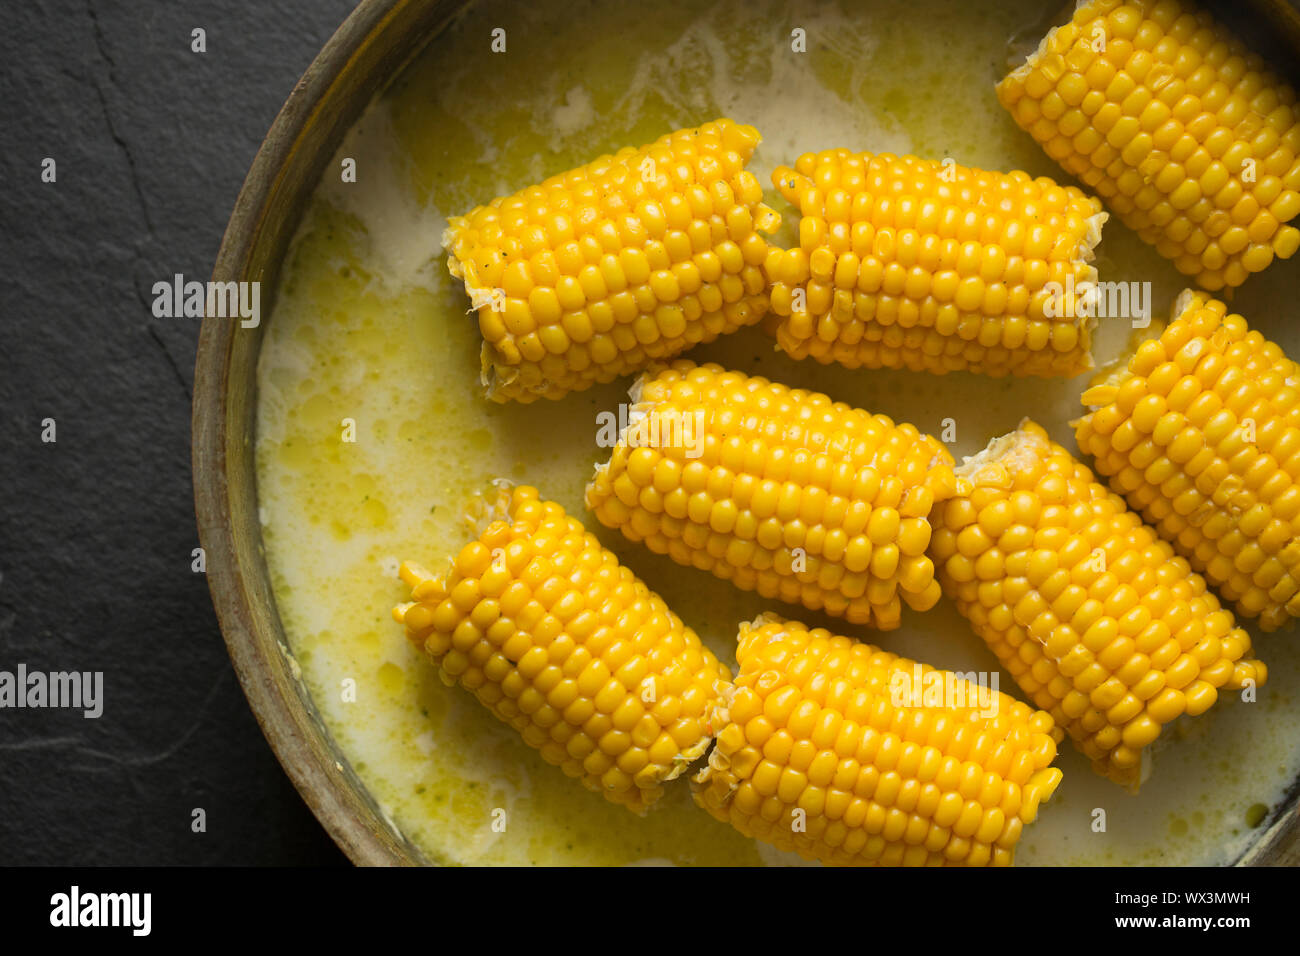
[(151, 142)]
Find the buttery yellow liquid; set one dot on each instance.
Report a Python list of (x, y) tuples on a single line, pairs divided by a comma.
[(372, 433)]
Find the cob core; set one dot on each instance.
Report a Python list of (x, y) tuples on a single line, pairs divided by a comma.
[(1092, 614), (632, 257), (558, 640), (816, 755), (1200, 431), (782, 491), (1191, 141), (931, 266)]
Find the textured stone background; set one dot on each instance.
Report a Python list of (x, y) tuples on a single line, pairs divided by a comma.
[(152, 142)]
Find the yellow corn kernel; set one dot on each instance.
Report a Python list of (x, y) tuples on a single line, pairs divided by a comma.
[(1219, 476), (560, 641), (940, 267), (634, 238), (900, 764), (778, 490), (1219, 131), (1142, 620)]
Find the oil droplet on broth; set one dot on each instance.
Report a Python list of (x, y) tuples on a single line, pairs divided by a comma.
[(391, 678), (368, 325), (374, 513)]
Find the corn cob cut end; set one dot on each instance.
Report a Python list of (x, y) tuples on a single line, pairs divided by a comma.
[(1018, 72), (632, 257), (597, 485), (557, 639), (1002, 458), (1105, 385)]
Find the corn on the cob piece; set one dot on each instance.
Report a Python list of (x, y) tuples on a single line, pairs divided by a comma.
[(911, 263), (636, 256), (1191, 141), (1200, 432), (560, 641), (778, 490), (1093, 615), (823, 751)]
